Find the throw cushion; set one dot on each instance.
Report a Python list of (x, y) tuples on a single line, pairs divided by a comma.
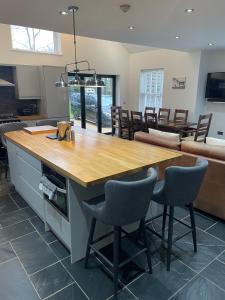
[(172, 137), (215, 142)]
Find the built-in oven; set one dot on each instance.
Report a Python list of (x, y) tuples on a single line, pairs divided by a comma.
[(55, 190)]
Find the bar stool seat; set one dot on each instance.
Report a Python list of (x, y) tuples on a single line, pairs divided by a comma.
[(124, 203)]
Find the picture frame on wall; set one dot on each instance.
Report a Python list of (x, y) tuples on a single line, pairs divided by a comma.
[(179, 83)]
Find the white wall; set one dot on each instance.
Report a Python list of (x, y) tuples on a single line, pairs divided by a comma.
[(212, 61), (107, 57), (174, 63)]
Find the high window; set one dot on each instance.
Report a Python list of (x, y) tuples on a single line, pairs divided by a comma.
[(151, 88), (35, 40)]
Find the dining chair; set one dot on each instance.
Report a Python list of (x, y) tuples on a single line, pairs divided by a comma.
[(180, 116), (124, 126), (149, 110), (200, 133), (50, 122), (115, 111), (136, 122), (151, 121), (179, 188), (123, 203), (164, 114), (4, 128)]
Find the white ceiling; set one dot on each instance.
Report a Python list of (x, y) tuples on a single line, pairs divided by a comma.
[(157, 22)]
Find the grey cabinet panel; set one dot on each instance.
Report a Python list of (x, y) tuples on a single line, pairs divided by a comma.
[(56, 101)]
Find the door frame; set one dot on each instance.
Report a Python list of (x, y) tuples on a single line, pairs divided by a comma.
[(99, 102)]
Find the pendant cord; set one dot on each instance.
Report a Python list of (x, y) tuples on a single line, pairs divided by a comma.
[(74, 39)]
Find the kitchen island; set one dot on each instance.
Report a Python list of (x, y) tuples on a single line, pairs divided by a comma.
[(85, 165)]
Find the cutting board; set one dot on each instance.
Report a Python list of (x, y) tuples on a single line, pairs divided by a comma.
[(40, 129)]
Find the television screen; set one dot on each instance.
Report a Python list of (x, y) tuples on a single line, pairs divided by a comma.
[(215, 87)]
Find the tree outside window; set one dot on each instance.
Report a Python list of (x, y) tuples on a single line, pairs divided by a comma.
[(35, 40)]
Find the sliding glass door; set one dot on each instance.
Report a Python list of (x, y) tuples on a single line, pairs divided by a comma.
[(91, 107)]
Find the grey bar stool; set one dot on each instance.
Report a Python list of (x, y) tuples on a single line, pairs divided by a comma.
[(124, 203), (179, 189)]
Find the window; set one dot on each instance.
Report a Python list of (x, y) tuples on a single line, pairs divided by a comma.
[(151, 89), (35, 40)]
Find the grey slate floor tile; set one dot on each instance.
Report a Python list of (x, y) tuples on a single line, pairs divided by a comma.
[(161, 284), (14, 284), (222, 257), (51, 280), (18, 199), (17, 230), (208, 248), (218, 230), (216, 273), (6, 252), (200, 289), (72, 292), (7, 205), (94, 281), (201, 221), (48, 236), (59, 250), (16, 216), (33, 252)]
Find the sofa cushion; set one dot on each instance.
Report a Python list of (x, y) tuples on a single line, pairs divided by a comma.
[(173, 137), (216, 152), (215, 142), (156, 140)]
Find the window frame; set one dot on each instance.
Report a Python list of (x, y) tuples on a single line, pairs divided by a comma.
[(56, 40), (141, 108)]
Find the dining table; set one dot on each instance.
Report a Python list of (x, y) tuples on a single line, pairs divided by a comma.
[(175, 126)]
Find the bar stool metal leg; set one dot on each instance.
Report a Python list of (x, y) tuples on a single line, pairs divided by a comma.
[(164, 224), (192, 217), (147, 246), (116, 245), (170, 236), (90, 240)]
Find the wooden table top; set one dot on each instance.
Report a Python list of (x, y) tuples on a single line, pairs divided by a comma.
[(176, 125), (93, 157)]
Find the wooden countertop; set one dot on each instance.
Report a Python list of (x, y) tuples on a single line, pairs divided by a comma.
[(93, 157), (32, 117)]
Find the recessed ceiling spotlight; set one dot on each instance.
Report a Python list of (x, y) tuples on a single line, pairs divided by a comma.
[(63, 13), (177, 37), (131, 27), (211, 44), (189, 10)]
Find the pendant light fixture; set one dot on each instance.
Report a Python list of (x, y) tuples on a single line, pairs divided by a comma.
[(77, 67)]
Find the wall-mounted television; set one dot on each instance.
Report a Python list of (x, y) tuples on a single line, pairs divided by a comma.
[(215, 87)]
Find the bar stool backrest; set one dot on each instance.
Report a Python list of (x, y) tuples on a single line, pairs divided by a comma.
[(182, 184), (8, 127), (127, 202)]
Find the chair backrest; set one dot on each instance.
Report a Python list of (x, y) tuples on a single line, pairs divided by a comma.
[(136, 120), (180, 116), (8, 127), (164, 114), (124, 120), (203, 126), (182, 184), (149, 110), (51, 122), (151, 120), (127, 202), (115, 111)]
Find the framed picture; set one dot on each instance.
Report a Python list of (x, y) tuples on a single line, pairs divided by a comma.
[(179, 83)]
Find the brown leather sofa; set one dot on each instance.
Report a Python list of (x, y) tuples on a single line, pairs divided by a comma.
[(211, 198)]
